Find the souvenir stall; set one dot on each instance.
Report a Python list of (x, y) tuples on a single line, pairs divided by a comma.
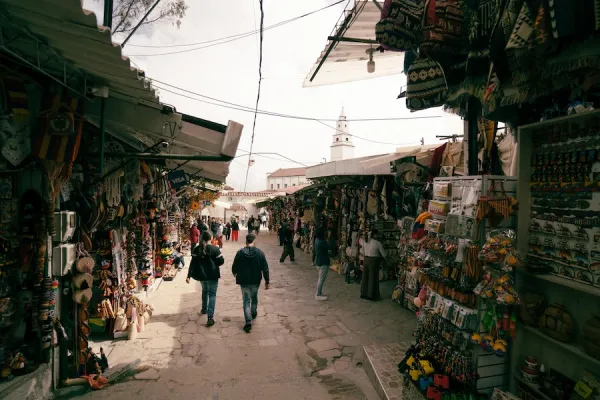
[(461, 281), (534, 66), (33, 112), (559, 232)]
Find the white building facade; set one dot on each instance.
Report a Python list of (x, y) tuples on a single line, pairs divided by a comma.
[(342, 147), (286, 177)]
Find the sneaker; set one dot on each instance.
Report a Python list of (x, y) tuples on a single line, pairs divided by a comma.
[(254, 315), (203, 312), (247, 328), (210, 322), (320, 298)]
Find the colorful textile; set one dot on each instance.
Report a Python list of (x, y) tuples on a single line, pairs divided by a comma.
[(60, 129), (400, 26), (426, 86)]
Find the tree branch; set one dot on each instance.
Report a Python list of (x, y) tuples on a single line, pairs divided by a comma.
[(125, 16)]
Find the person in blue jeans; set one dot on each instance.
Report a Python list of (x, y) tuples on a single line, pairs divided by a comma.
[(205, 267), (249, 268), (321, 261)]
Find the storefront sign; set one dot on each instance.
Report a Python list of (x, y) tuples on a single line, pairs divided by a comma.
[(177, 179)]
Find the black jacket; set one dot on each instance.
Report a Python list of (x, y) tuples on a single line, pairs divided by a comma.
[(203, 227), (235, 226), (288, 235), (214, 226), (321, 252), (250, 266), (205, 266)]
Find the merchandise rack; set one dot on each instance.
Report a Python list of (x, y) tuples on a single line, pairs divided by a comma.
[(580, 299)]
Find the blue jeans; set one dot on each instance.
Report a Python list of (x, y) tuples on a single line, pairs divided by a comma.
[(323, 271), (250, 296), (209, 297)]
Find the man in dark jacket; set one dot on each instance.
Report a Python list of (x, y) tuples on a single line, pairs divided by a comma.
[(202, 226), (214, 227), (249, 267), (204, 267), (288, 242)]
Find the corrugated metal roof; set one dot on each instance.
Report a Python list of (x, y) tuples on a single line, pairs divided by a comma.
[(347, 62), (63, 26), (201, 137), (281, 172)]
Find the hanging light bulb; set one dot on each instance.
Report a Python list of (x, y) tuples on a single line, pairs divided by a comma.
[(370, 63)]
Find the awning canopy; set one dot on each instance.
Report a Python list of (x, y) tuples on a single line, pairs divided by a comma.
[(59, 38), (345, 56), (206, 138), (64, 42), (349, 167)]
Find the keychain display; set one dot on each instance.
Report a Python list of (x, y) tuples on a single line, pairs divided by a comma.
[(565, 206)]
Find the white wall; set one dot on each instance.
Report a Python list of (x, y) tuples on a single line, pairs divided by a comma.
[(285, 181)]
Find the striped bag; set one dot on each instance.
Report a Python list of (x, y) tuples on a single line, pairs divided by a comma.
[(61, 123)]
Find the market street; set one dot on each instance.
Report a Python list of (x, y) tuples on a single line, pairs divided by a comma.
[(299, 348)]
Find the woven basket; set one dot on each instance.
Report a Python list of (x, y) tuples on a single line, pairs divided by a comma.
[(557, 323)]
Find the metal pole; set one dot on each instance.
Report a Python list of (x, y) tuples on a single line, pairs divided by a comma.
[(108, 10), (139, 23), (473, 113), (102, 133)]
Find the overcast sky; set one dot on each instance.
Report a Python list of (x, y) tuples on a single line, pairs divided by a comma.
[(230, 72)]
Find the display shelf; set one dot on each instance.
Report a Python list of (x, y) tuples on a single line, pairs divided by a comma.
[(581, 287), (534, 387), (569, 347)]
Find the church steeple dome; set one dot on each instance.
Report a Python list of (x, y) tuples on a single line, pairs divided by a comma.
[(342, 146)]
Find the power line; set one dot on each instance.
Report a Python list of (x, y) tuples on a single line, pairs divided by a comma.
[(368, 140), (260, 59), (227, 39), (239, 107)]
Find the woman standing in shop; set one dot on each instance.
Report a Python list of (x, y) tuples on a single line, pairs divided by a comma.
[(374, 255), (206, 260)]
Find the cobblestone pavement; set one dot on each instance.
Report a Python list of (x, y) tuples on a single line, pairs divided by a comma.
[(298, 349)]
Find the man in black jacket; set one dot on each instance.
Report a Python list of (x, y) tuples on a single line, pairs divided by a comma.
[(204, 267), (288, 242), (249, 267)]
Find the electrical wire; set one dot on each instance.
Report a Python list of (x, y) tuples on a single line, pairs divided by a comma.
[(227, 39), (260, 60), (239, 107)]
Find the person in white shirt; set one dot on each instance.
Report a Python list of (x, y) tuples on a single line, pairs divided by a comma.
[(374, 255), (220, 234)]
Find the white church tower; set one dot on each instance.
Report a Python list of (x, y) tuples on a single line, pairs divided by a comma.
[(342, 146)]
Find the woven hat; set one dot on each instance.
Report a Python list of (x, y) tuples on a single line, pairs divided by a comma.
[(426, 85)]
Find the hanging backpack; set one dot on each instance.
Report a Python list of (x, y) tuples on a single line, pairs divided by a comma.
[(426, 85), (400, 26), (444, 30)]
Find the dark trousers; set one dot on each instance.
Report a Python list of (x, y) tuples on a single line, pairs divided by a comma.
[(369, 286), (227, 235), (288, 250)]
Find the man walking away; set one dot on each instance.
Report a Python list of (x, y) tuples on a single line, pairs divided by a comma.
[(228, 231), (235, 230), (206, 260), (257, 225), (194, 236), (249, 267), (250, 224), (214, 225), (288, 242), (322, 262), (202, 227)]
